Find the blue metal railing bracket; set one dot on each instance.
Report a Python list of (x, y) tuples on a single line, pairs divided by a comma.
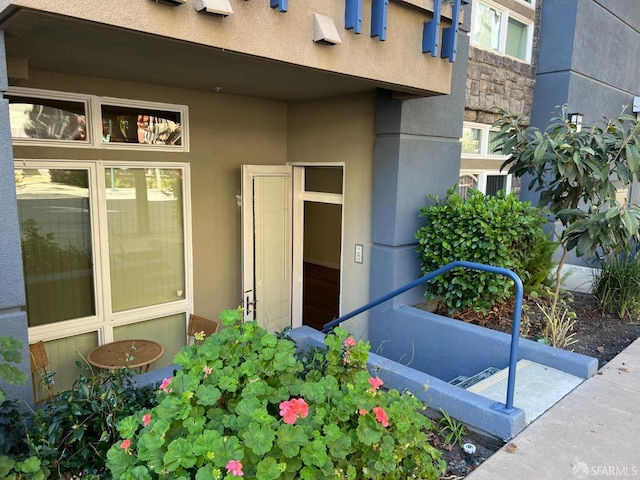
[(431, 31), (353, 15), (450, 34), (281, 5), (379, 10)]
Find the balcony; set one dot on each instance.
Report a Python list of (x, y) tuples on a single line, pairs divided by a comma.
[(260, 48)]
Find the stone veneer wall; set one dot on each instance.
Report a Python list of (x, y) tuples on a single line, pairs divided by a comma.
[(497, 81)]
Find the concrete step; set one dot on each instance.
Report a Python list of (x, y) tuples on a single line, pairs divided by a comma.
[(538, 387)]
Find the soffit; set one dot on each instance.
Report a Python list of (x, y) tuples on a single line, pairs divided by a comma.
[(60, 44)]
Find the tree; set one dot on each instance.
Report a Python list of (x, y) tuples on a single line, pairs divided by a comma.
[(578, 173)]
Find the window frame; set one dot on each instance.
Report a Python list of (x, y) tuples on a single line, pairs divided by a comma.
[(482, 178), (55, 95), (506, 14), (181, 110), (93, 120), (105, 321), (484, 143)]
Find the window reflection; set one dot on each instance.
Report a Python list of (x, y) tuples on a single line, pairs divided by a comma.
[(47, 119), (142, 126)]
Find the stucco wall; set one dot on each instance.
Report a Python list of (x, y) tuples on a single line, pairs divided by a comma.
[(225, 131), (259, 31), (342, 130)]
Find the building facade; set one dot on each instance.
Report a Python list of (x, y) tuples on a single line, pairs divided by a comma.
[(177, 156)]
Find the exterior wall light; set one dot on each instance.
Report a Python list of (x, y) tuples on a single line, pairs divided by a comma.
[(576, 119)]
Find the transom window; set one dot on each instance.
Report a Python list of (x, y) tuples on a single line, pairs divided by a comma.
[(43, 117), (498, 29)]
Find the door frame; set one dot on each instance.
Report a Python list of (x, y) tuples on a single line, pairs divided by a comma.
[(298, 198)]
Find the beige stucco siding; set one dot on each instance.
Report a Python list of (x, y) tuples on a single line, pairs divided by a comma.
[(256, 30), (342, 130), (228, 131)]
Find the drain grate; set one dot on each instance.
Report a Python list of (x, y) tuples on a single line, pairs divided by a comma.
[(466, 382)]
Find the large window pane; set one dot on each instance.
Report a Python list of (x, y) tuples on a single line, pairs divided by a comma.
[(55, 230), (47, 119), (487, 27), (146, 236), (516, 39)]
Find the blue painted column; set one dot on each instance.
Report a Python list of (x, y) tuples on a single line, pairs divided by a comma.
[(417, 153), (13, 321)]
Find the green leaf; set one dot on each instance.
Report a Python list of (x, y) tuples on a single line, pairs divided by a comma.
[(128, 426), (207, 472), (368, 430), (12, 375), (140, 473), (269, 469), (179, 454), (30, 465), (291, 438), (315, 453), (6, 464), (258, 438), (207, 395)]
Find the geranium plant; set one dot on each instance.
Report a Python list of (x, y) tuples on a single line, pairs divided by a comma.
[(249, 404)]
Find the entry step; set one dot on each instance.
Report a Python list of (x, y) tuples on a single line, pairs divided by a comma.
[(538, 387)]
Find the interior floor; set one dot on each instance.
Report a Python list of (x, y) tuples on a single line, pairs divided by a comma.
[(321, 295)]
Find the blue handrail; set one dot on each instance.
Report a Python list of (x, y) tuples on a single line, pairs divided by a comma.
[(517, 312)]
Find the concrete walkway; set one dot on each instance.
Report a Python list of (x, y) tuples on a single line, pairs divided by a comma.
[(593, 432)]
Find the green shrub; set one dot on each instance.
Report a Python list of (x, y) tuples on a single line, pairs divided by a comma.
[(244, 404), (616, 286), (72, 434), (493, 230)]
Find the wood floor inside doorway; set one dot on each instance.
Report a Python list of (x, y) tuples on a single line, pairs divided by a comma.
[(321, 295)]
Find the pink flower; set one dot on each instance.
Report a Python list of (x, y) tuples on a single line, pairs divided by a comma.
[(349, 342), (207, 370), (381, 416), (164, 386), (362, 411), (292, 409), (235, 467), (146, 419), (126, 444), (375, 383)]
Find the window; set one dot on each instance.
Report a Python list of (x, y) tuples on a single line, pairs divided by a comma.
[(488, 182), (128, 124), (101, 243), (72, 120), (53, 119), (480, 140), (502, 31), (480, 168)]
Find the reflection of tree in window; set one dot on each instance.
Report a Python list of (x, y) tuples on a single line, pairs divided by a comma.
[(47, 119), (487, 27), (135, 125)]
